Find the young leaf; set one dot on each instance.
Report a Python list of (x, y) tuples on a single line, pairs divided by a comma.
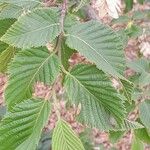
[(89, 86), (34, 29), (5, 58), (21, 129), (100, 45), (28, 67), (64, 138), (144, 109)]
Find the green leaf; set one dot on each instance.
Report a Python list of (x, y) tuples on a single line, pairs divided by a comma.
[(86, 139), (2, 111), (66, 53), (137, 144), (70, 20), (21, 129), (45, 141), (81, 4), (141, 1), (64, 138), (3, 46), (99, 44), (127, 89), (28, 67), (121, 19), (142, 134), (114, 136), (89, 86), (34, 29), (134, 31), (10, 11), (141, 66), (5, 58), (141, 15), (4, 25), (123, 36), (127, 125), (144, 109), (129, 5), (24, 3)]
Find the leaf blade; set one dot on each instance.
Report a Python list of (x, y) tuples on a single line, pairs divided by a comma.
[(34, 29), (86, 84), (5, 58), (64, 138), (98, 43), (27, 119), (28, 67)]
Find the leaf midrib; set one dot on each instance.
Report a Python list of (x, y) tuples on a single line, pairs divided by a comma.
[(84, 87), (34, 75), (77, 37), (96, 99)]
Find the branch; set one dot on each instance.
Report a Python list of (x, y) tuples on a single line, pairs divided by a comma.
[(63, 14)]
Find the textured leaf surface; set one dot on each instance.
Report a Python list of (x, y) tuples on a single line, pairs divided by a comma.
[(4, 25), (81, 4), (143, 135), (45, 141), (2, 111), (24, 3), (144, 109), (114, 136), (28, 67), (141, 66), (66, 53), (128, 125), (100, 45), (137, 144), (34, 29), (89, 86), (10, 11), (21, 129), (127, 88), (64, 138), (5, 58)]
